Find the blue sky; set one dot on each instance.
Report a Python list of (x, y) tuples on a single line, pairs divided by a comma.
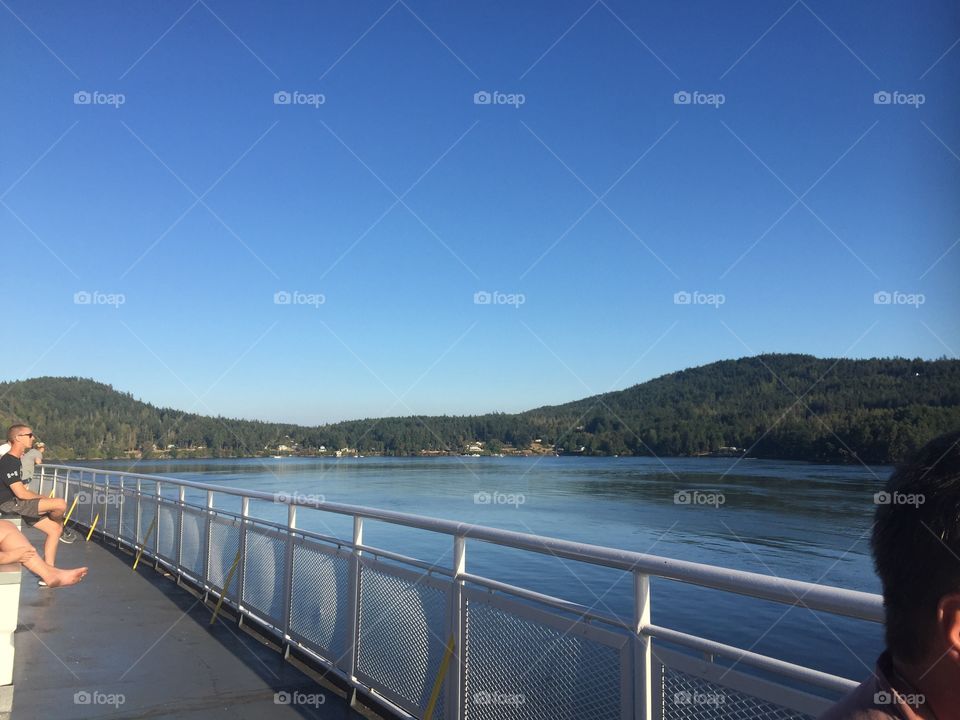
[(160, 201)]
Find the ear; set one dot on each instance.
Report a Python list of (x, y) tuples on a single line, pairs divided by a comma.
[(948, 622)]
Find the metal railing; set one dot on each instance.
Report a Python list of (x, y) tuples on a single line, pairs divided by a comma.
[(441, 642)]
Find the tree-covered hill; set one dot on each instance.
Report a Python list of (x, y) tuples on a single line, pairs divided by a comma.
[(777, 406)]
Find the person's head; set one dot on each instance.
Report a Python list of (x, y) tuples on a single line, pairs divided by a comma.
[(916, 551), (41, 447), (20, 437)]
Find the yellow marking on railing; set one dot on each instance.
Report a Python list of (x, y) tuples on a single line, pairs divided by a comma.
[(226, 586), (95, 521), (67, 518), (143, 543), (438, 683), (53, 490)]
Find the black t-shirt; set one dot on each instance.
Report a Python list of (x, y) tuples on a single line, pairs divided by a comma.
[(9, 473)]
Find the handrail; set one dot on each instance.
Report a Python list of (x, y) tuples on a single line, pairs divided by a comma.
[(838, 601), (630, 638)]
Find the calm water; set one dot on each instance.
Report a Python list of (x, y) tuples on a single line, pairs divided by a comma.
[(794, 520)]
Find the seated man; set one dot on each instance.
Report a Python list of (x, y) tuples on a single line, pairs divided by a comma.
[(45, 514), (916, 552), (14, 547)]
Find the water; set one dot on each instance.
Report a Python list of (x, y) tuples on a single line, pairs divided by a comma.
[(790, 519)]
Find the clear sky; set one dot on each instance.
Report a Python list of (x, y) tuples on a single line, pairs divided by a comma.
[(309, 211)]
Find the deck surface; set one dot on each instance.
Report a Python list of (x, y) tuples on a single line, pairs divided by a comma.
[(126, 644)]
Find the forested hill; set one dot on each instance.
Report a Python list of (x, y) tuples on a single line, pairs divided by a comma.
[(778, 406)]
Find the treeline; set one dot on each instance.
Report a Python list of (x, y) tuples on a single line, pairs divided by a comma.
[(777, 406)]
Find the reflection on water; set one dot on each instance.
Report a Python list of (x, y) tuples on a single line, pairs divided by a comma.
[(790, 519)]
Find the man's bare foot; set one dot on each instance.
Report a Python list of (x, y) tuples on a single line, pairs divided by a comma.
[(62, 578)]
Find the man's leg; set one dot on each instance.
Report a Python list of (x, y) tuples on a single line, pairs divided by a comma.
[(53, 531), (55, 508), (14, 547)]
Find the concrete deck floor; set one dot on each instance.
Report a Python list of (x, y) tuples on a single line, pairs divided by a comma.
[(126, 644)]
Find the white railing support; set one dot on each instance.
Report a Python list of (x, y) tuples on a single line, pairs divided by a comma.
[(643, 657)]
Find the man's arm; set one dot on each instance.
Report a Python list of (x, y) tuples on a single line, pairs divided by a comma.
[(20, 490)]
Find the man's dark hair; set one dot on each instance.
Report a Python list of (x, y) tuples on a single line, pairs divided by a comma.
[(13, 430), (916, 544)]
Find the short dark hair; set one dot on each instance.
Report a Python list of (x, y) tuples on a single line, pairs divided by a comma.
[(916, 544), (14, 430)]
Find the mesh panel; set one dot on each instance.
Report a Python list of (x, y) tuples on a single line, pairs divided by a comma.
[(128, 511), (110, 509), (686, 697), (401, 626), (263, 574), (83, 512), (224, 547), (319, 611), (519, 668), (193, 550), (169, 522), (148, 523)]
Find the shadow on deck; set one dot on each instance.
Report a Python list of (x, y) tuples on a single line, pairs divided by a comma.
[(126, 644)]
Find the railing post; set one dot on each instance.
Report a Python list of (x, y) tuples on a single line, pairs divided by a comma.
[(208, 532), (183, 505), (354, 608), (156, 544), (643, 656), (122, 500), (137, 538), (288, 576), (455, 701), (242, 567)]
